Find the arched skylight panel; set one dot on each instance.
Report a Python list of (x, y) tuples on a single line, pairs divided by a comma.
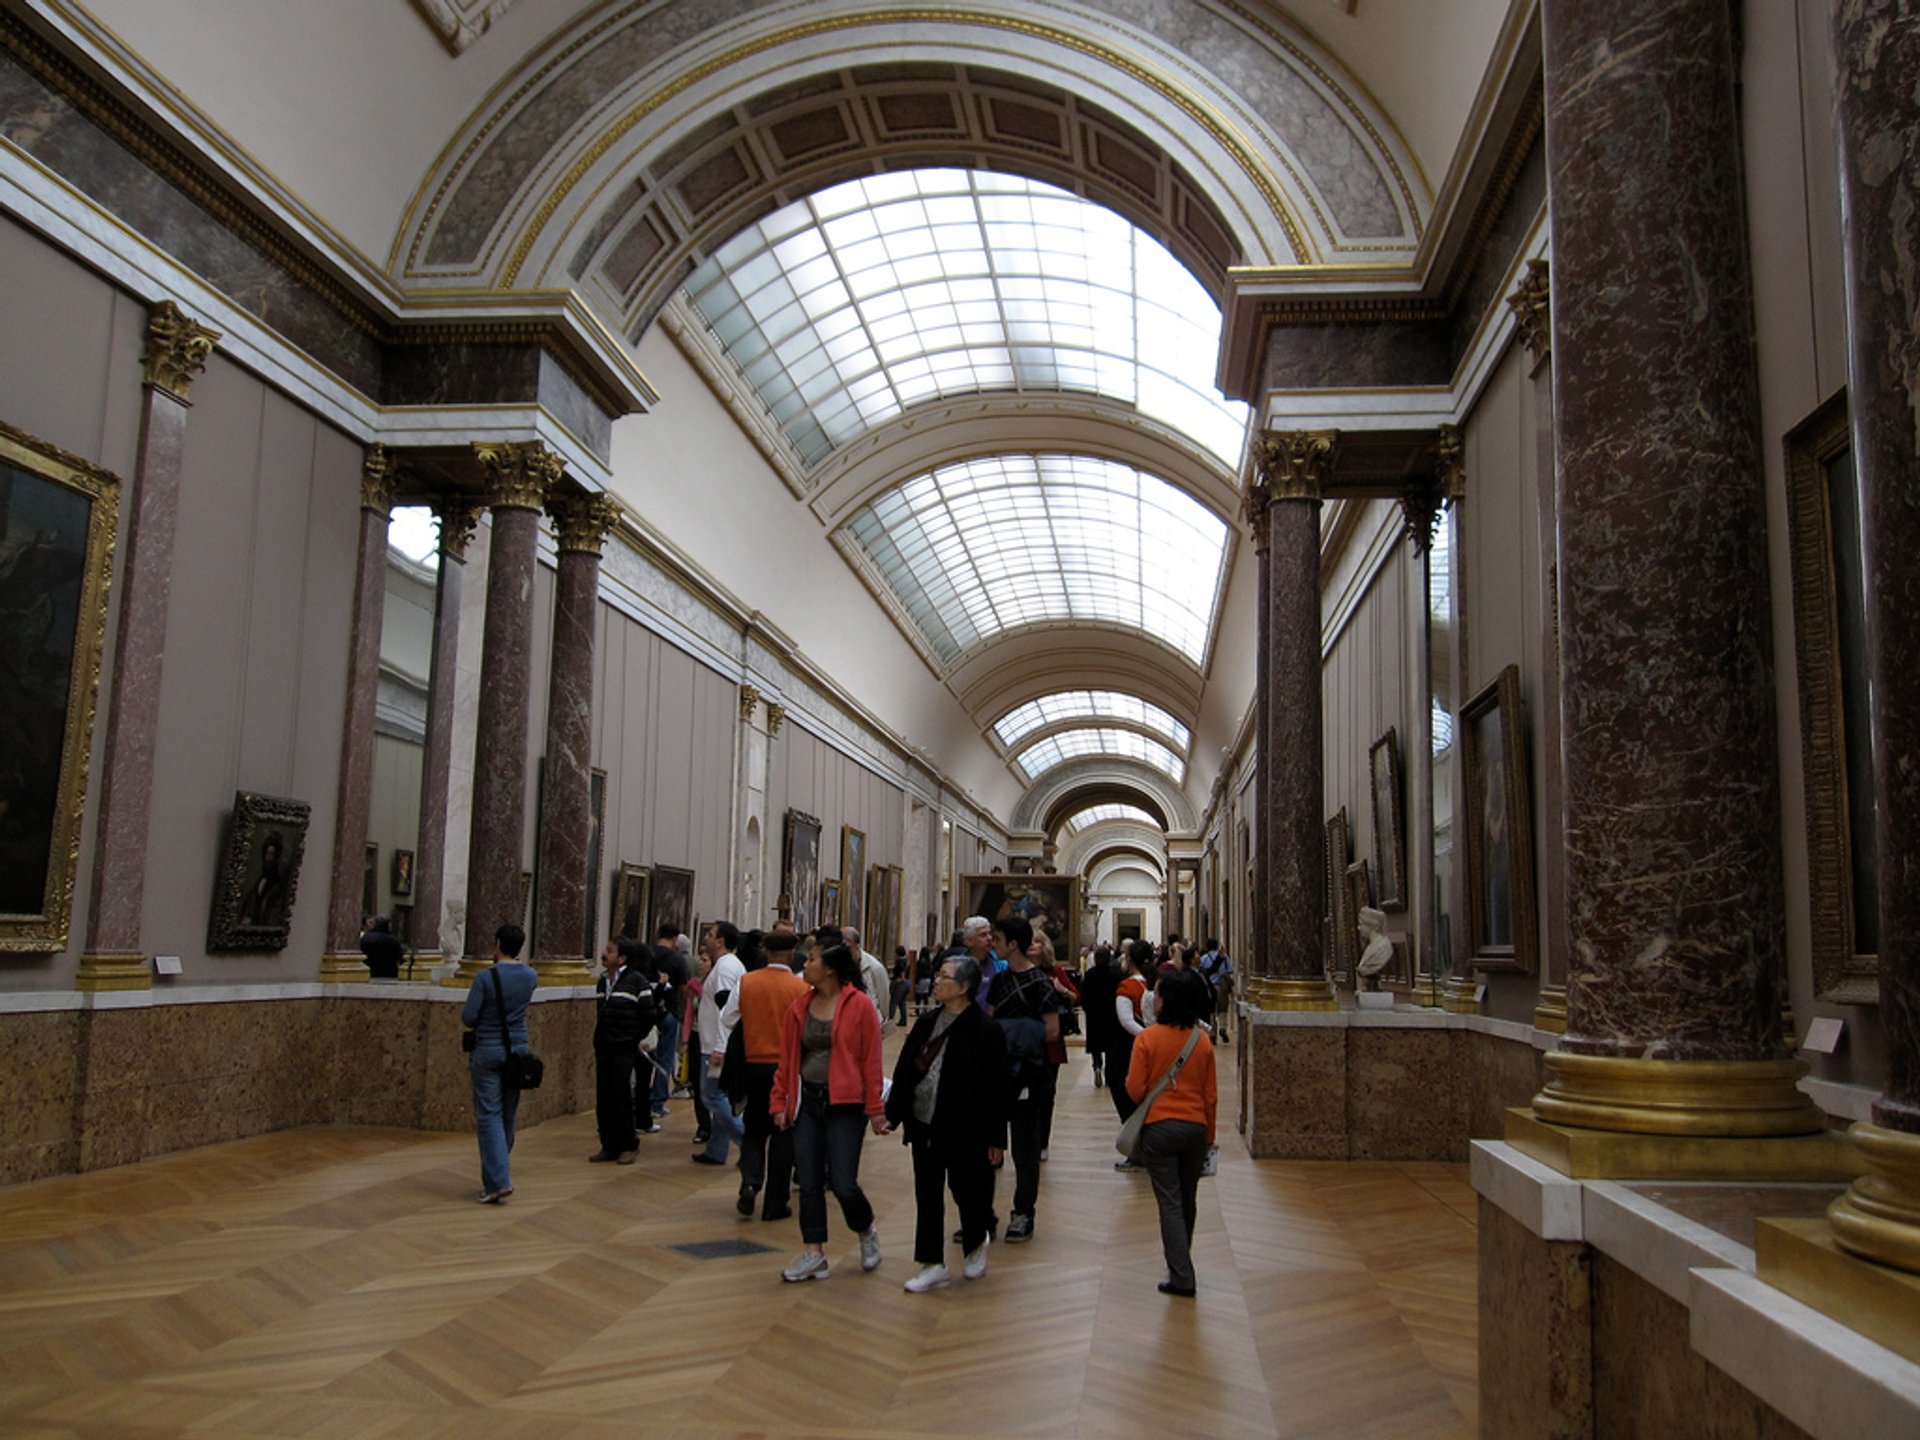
[(847, 307), (1099, 814), (1043, 755), (978, 547), (1023, 720)]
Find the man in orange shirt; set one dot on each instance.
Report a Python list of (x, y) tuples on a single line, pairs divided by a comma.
[(758, 1004)]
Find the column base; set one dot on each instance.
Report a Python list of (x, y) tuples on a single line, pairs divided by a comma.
[(344, 968), (470, 968), (1802, 1258), (1878, 1218), (1271, 992), (1550, 1014), (562, 970), (113, 970), (1584, 1154), (1460, 996), (1717, 1099)]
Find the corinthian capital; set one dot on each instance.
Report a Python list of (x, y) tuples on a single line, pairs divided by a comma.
[(1532, 305), (582, 521), (458, 517), (749, 700), (177, 350), (1294, 464), (379, 479), (522, 473)]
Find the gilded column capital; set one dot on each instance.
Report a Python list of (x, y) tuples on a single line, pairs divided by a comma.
[(1259, 498), (523, 472), (776, 712), (1532, 306), (582, 522), (177, 350), (1422, 502), (1294, 464), (459, 516), (749, 700), (379, 480)]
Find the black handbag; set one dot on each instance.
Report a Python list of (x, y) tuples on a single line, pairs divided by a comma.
[(524, 1070)]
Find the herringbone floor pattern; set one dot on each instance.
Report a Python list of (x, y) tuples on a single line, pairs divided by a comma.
[(342, 1283)]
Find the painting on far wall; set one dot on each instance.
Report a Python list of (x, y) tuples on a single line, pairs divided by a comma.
[(853, 876), (259, 869), (829, 902), (57, 523), (630, 904), (1499, 816), (402, 874), (800, 871), (1389, 823), (672, 900), (1047, 902)]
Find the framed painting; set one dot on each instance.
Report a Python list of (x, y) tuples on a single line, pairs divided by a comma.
[(402, 874), (1047, 902), (58, 516), (596, 856), (1337, 945), (1389, 822), (259, 870), (1499, 824), (853, 876), (672, 900), (800, 872), (630, 910), (829, 902)]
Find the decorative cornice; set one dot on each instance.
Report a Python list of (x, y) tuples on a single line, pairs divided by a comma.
[(552, 337), (1352, 310), (582, 522), (1531, 122), (379, 479), (177, 350), (1294, 464), (1422, 503), (776, 712), (749, 700), (1532, 305), (524, 473), (459, 516)]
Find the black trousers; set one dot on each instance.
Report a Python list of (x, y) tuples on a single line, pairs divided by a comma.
[(938, 1165), (1026, 1136), (766, 1154), (1119, 1061), (613, 1098)]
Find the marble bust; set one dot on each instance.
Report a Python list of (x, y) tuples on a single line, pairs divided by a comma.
[(1377, 951)]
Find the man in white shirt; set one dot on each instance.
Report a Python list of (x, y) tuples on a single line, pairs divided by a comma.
[(873, 975), (722, 979)]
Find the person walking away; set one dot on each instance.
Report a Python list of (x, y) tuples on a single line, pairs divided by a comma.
[(1129, 1011), (949, 1098), (760, 1006), (1098, 985), (1180, 1121), (495, 1102), (827, 1090), (1067, 994)]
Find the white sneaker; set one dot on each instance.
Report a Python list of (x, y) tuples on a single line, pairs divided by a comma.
[(929, 1277), (976, 1265), (870, 1249), (809, 1266)]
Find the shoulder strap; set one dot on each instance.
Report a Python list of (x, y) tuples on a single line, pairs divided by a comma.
[(500, 1000), (1193, 1039)]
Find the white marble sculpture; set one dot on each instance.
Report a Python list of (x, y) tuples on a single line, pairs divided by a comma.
[(1377, 951)]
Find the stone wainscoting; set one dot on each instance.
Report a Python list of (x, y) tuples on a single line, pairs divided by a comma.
[(102, 1080)]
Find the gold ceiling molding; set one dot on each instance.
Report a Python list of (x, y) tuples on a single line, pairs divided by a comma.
[(1228, 138)]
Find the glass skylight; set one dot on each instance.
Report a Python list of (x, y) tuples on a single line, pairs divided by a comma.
[(973, 549), (847, 307), (415, 533), (1098, 814), (1043, 755), (1019, 723)]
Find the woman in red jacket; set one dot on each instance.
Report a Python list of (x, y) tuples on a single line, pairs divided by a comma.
[(827, 1089), (1179, 1128)]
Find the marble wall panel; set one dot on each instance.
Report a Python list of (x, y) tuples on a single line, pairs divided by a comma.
[(1535, 1333), (379, 1069), (1388, 354), (1297, 1093), (1485, 285), (1647, 1378), (1404, 1099), (1500, 1074)]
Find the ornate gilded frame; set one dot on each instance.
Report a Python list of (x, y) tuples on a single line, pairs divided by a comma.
[(800, 872), (1500, 704), (632, 897), (1338, 947), (853, 878), (1389, 820), (62, 780), (247, 915), (830, 901), (1841, 975)]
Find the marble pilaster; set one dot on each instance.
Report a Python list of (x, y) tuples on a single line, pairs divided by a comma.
[(457, 518), (1259, 496), (1877, 121), (523, 474), (177, 349), (1671, 812), (1290, 838), (353, 812), (561, 927)]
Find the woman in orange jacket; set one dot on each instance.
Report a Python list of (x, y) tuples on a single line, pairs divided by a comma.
[(1179, 1127), (827, 1089)]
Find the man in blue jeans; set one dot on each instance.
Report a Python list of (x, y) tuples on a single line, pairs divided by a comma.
[(722, 976)]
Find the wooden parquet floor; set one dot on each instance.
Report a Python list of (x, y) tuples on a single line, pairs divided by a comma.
[(342, 1283)]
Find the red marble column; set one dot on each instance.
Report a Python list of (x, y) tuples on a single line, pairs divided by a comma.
[(457, 518), (177, 349), (1290, 843), (1877, 119), (354, 808), (1259, 960), (1671, 805), (565, 850), (523, 474)]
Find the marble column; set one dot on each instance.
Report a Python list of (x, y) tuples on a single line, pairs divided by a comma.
[(1674, 910), (177, 350), (1258, 961), (1290, 837), (522, 474), (457, 519), (566, 827), (1877, 120), (353, 810)]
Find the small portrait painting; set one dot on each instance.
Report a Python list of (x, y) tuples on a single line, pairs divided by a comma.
[(259, 869), (402, 873)]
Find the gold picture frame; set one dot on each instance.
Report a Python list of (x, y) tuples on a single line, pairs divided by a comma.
[(853, 877), (1338, 948), (59, 516), (1501, 919)]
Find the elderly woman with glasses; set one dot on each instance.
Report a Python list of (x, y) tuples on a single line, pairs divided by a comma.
[(949, 1095)]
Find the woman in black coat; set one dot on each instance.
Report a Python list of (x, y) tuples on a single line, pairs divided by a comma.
[(949, 1097)]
